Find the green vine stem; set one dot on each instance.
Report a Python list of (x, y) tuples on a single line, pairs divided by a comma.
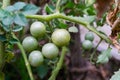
[(92, 55), (24, 57), (59, 64), (78, 20)]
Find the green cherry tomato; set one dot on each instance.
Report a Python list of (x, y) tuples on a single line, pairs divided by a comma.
[(37, 29), (87, 44), (35, 58), (50, 50), (89, 36), (30, 43), (61, 37)]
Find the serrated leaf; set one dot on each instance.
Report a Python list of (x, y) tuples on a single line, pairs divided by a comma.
[(30, 9), (10, 8), (8, 20), (48, 9), (20, 19), (116, 76), (73, 29), (6, 27), (89, 2), (17, 28), (19, 5), (89, 19), (3, 38), (104, 56), (4, 13)]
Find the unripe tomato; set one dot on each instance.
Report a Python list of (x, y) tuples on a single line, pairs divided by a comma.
[(89, 36), (35, 58), (50, 50), (37, 29), (30, 43), (61, 37), (87, 44)]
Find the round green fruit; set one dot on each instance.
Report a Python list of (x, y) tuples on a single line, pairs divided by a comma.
[(61, 37), (38, 29), (30, 43), (50, 50), (87, 44), (89, 36), (35, 58)]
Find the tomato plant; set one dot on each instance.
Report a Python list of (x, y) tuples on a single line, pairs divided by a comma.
[(48, 30)]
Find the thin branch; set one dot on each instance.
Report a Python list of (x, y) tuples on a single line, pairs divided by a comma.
[(78, 20), (59, 64), (25, 58)]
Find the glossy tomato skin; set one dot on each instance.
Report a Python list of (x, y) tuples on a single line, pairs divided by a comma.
[(37, 29), (50, 50), (61, 37), (36, 58), (30, 43), (89, 36), (87, 44)]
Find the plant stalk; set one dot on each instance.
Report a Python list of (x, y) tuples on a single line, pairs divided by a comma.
[(24, 57), (59, 64), (78, 20)]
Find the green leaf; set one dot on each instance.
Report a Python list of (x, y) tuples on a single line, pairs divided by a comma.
[(19, 5), (3, 38), (4, 13), (116, 76), (13, 41), (17, 28), (8, 20), (30, 9), (6, 27), (89, 2), (104, 56), (73, 29), (20, 19), (89, 19), (42, 71), (10, 8), (48, 9)]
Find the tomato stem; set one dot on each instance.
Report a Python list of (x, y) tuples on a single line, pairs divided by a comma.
[(92, 55), (59, 64), (24, 57), (78, 20)]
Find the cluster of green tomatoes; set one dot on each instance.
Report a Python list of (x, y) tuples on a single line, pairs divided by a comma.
[(87, 43), (50, 50)]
